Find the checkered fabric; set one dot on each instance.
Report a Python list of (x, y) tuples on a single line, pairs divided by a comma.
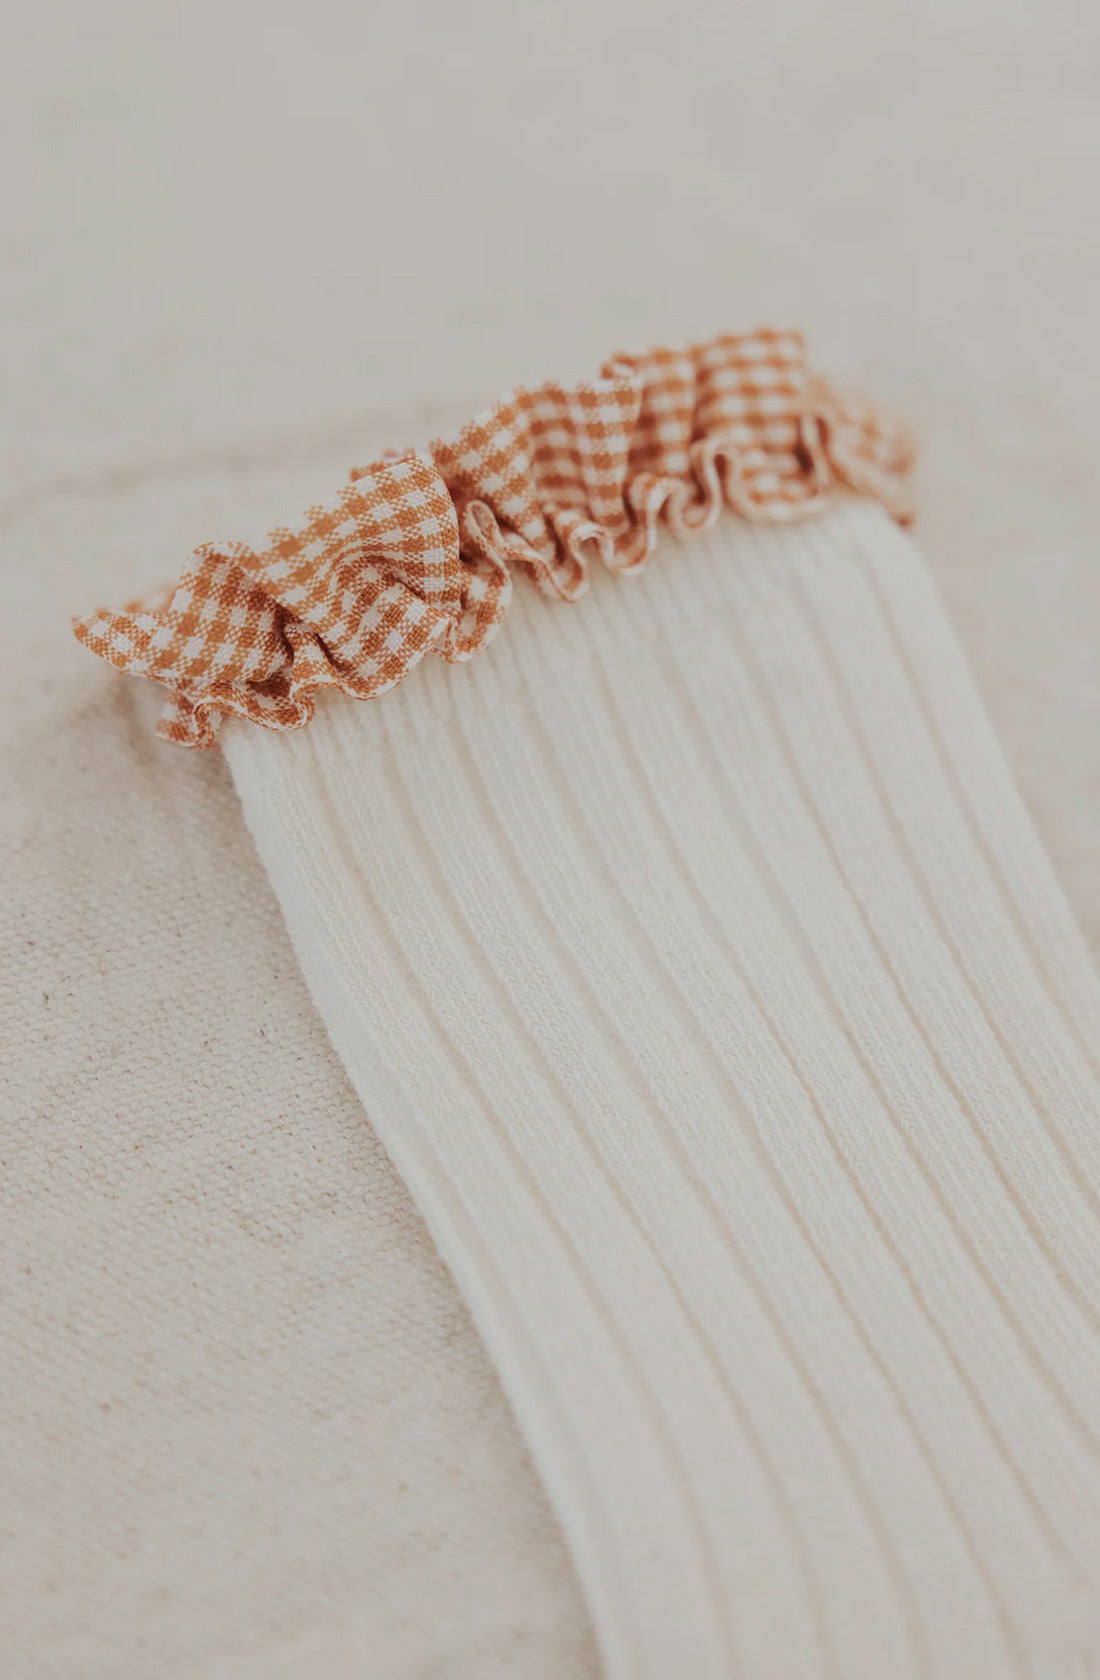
[(417, 551)]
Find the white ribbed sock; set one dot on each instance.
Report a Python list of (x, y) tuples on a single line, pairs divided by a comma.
[(696, 962)]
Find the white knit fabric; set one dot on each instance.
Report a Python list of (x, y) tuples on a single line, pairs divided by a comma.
[(696, 962)]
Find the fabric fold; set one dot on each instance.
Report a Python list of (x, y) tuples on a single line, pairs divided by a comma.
[(418, 552)]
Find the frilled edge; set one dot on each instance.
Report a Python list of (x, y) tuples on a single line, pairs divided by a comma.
[(417, 552)]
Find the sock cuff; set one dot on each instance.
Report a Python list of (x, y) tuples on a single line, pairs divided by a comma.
[(417, 552)]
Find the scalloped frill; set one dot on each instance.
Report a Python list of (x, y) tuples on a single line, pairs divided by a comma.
[(417, 551)]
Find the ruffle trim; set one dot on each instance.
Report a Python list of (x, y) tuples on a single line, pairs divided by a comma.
[(417, 551)]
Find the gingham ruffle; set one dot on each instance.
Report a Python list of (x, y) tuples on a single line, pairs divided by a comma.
[(416, 553)]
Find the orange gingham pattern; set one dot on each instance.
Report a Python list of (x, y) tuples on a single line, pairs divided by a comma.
[(417, 551)]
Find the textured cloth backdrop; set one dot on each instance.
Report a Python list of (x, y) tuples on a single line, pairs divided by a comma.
[(911, 187)]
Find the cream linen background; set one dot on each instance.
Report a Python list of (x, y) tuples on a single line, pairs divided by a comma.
[(247, 1428)]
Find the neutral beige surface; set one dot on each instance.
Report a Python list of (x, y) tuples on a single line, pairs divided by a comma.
[(232, 237)]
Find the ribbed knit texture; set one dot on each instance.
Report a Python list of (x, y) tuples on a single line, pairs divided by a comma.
[(695, 959)]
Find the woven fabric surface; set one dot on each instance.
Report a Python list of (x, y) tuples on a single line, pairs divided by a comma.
[(908, 182)]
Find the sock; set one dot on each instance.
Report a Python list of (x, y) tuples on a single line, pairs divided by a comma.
[(695, 960)]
